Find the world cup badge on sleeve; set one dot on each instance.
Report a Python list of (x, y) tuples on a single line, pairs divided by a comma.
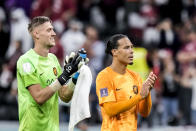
[(26, 67), (104, 92)]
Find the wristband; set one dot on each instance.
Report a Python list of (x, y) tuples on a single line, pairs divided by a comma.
[(55, 85)]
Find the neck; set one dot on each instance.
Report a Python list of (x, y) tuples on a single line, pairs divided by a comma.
[(118, 67), (41, 50)]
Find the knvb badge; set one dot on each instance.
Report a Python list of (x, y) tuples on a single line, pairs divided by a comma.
[(55, 71), (104, 92)]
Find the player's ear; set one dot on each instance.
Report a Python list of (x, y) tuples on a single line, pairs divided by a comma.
[(35, 34), (114, 52)]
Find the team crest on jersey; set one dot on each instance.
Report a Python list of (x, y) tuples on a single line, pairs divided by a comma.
[(55, 71), (135, 89)]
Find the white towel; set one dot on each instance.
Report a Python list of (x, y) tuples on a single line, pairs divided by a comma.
[(80, 100)]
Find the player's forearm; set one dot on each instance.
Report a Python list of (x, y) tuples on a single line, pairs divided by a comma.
[(40, 95), (114, 108), (145, 106), (66, 92)]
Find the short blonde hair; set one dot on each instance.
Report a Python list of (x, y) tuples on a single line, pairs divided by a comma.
[(36, 21)]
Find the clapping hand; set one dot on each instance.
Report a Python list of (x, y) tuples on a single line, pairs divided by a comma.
[(148, 85), (70, 67)]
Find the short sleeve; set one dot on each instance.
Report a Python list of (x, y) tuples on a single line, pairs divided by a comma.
[(27, 72), (104, 89)]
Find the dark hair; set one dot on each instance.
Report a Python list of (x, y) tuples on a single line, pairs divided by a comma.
[(36, 21), (113, 43)]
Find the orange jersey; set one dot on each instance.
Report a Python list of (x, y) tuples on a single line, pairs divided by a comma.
[(114, 87)]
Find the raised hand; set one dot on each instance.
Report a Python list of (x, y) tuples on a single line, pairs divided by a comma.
[(151, 80), (148, 85), (82, 54), (71, 66)]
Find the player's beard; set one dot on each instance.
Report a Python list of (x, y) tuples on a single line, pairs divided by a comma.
[(50, 45), (131, 63)]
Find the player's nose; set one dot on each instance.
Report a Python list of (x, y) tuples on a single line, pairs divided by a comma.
[(53, 33)]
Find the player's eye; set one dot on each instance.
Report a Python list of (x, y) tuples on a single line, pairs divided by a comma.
[(126, 47), (48, 30)]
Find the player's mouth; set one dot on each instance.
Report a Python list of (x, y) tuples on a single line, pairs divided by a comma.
[(52, 39), (130, 58)]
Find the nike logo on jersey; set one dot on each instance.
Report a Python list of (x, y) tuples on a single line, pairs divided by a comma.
[(117, 89), (41, 74)]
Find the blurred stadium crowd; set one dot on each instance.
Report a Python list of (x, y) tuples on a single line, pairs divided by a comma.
[(162, 31)]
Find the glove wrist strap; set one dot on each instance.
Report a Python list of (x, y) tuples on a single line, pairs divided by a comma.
[(63, 79)]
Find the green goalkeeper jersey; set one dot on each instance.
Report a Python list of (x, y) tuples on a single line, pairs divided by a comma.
[(35, 69)]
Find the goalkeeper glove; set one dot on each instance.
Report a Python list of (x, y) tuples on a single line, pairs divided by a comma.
[(69, 69)]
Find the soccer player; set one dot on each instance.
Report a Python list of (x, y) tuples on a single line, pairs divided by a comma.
[(120, 91), (41, 80)]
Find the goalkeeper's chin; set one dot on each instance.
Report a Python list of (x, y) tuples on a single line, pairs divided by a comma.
[(51, 45)]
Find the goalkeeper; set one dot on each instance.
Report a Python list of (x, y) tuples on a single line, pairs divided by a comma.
[(41, 80)]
